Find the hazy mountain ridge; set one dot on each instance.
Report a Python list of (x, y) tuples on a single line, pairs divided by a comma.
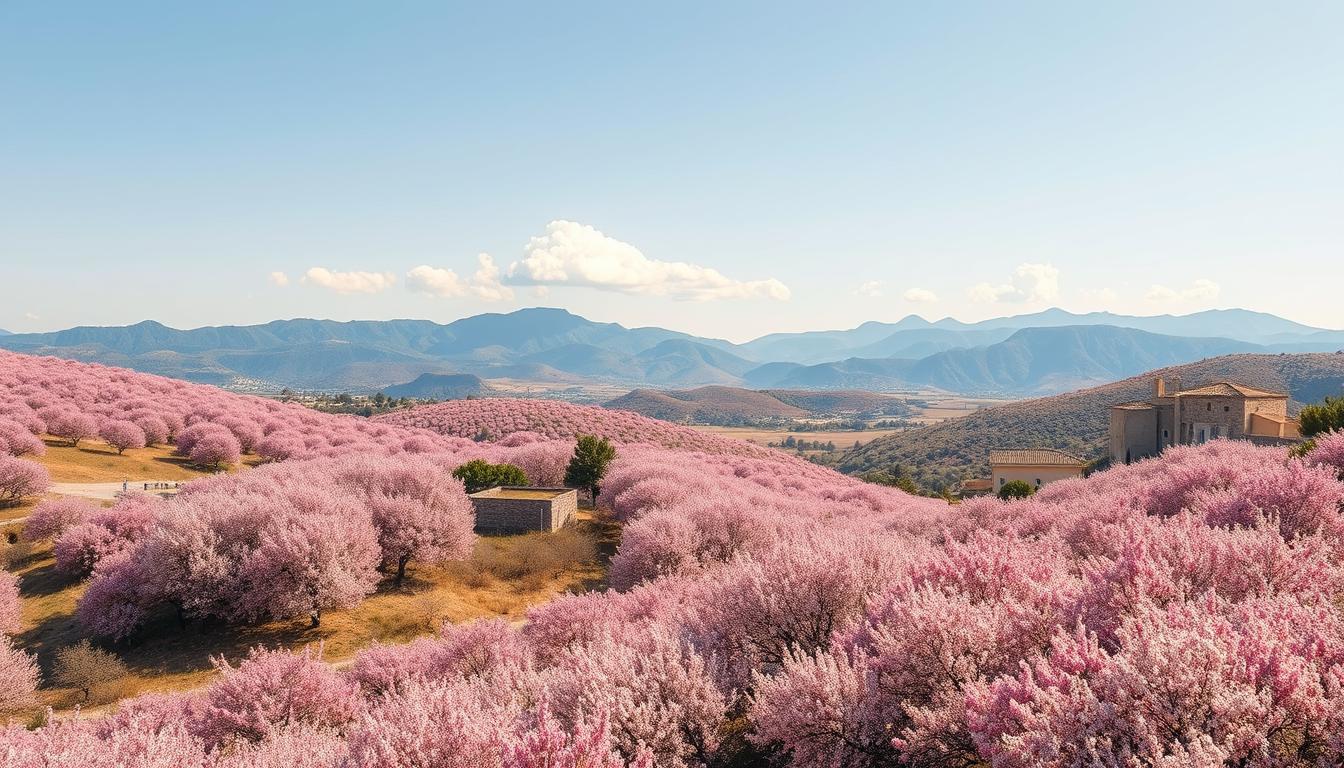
[(998, 356), (548, 344), (887, 339), (1044, 360)]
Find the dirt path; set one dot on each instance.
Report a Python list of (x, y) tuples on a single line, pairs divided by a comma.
[(109, 491)]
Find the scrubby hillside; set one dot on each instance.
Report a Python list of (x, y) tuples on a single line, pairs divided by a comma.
[(440, 386), (1077, 422), (706, 405)]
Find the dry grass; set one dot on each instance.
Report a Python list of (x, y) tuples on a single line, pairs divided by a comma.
[(96, 462), (506, 576), (16, 512)]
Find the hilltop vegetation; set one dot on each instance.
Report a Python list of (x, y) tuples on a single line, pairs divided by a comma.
[(938, 456)]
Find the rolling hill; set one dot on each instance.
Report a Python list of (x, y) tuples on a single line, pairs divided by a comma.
[(1077, 421), (707, 405), (441, 386)]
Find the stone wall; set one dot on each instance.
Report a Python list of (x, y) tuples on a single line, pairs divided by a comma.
[(497, 513), (1133, 434), (1214, 417)]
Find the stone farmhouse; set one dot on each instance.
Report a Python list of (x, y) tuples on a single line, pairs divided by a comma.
[(1034, 466), (1175, 416)]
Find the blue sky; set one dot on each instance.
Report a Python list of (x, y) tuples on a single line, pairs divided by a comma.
[(728, 169)]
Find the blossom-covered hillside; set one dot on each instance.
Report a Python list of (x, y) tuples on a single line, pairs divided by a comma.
[(496, 418), (1181, 611)]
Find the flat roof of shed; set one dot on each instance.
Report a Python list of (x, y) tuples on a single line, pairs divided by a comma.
[(513, 492)]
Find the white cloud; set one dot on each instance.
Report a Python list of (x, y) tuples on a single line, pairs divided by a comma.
[(1030, 283), (446, 283), (350, 282), (1202, 290), (576, 254), (869, 288), (279, 278), (920, 296), (541, 291), (435, 281), (485, 283), (31, 316)]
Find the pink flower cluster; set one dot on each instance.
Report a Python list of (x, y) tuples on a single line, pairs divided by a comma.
[(282, 540), (18, 669)]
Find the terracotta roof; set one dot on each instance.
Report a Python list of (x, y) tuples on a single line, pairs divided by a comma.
[(1034, 457), (1135, 406), (1228, 389)]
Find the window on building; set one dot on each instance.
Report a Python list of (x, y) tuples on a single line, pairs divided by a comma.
[(1001, 479), (1166, 433), (1208, 406), (1038, 482), (1227, 408)]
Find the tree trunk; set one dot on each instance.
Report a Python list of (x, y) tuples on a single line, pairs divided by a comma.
[(316, 617), (401, 568)]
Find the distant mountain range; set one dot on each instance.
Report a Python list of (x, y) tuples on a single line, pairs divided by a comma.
[(914, 337), (1031, 360), (1077, 422), (1045, 352)]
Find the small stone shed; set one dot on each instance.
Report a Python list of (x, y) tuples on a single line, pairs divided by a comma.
[(511, 509)]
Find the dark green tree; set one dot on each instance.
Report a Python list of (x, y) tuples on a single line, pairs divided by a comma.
[(479, 474), (592, 456), (1016, 489), (1325, 416)]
